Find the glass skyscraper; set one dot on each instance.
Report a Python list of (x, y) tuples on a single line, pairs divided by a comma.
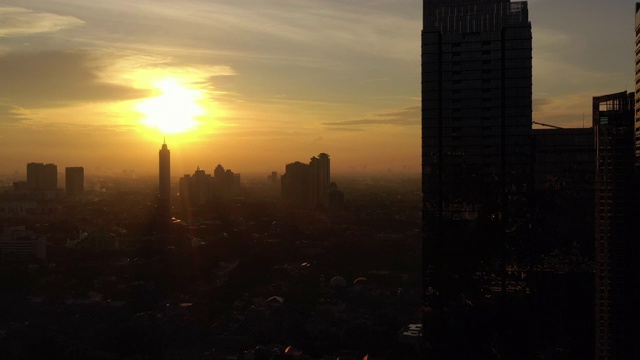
[(476, 143)]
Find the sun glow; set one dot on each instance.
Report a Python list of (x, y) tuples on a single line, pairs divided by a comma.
[(174, 110)]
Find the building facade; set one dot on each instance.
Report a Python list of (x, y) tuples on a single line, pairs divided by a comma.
[(296, 186), (477, 161), (307, 186), (476, 119), (196, 190), (74, 182), (616, 248), (226, 183), (637, 78), (476, 103), (564, 157), (42, 176)]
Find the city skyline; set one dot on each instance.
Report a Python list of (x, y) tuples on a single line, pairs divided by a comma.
[(275, 85)]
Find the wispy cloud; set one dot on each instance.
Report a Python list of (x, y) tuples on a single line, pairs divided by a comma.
[(409, 116), (539, 103), (17, 21), (56, 78), (318, 33), (10, 114), (345, 129)]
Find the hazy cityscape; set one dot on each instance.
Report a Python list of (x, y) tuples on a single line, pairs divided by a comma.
[(116, 267), (256, 193)]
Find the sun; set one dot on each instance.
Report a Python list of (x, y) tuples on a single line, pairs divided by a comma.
[(174, 110)]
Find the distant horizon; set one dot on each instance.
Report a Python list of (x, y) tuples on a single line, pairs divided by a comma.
[(251, 176)]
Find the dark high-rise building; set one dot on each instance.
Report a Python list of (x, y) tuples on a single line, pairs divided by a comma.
[(324, 179), (476, 103), (196, 190), (42, 176), (320, 168), (226, 183), (476, 116), (296, 185), (74, 181), (637, 101), (564, 158), (307, 186), (616, 246), (476, 152), (564, 173), (164, 192)]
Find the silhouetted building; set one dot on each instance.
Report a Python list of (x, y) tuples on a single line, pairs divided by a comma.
[(74, 181), (637, 101), (307, 186), (564, 172), (196, 190), (164, 192), (615, 244), (226, 183), (42, 176), (476, 152), (564, 159), (320, 179), (296, 185), (476, 119), (476, 87)]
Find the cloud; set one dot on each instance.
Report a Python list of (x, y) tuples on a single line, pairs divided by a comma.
[(307, 33), (409, 116), (345, 129), (10, 114), (57, 78), (539, 103), (17, 21)]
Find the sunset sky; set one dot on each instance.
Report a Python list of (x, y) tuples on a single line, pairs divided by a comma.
[(256, 84)]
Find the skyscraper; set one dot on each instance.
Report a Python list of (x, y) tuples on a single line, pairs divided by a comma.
[(324, 179), (476, 145), (297, 186), (226, 183), (164, 192), (196, 190), (42, 176), (74, 181), (320, 168), (476, 102), (637, 101), (307, 186), (616, 272)]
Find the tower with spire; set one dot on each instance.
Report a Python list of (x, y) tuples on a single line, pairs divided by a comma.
[(164, 170)]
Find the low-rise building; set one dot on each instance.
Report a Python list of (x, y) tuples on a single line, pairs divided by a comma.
[(16, 243)]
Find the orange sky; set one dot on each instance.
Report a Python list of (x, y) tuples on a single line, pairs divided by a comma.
[(258, 84)]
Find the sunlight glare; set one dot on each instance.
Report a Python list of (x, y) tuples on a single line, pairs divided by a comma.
[(174, 110)]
